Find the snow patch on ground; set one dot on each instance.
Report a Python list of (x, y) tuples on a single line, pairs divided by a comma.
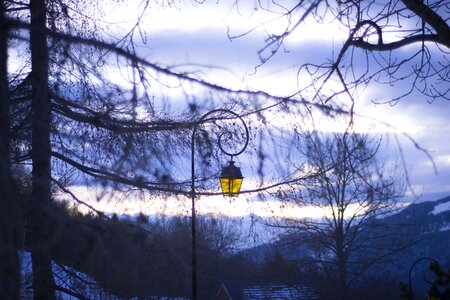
[(445, 227), (443, 207)]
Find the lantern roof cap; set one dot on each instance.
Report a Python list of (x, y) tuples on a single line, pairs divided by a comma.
[(231, 171)]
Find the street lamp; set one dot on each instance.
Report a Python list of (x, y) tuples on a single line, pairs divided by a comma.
[(230, 178), (433, 293)]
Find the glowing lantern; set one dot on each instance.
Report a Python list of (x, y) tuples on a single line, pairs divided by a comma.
[(231, 180)]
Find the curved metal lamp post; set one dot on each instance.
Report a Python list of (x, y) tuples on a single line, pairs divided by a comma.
[(230, 181), (430, 296)]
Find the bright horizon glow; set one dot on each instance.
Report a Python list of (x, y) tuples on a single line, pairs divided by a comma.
[(134, 203)]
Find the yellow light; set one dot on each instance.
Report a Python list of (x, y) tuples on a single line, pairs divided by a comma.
[(231, 180), (231, 186)]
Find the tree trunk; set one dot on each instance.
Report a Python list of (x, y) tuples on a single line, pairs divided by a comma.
[(341, 264), (38, 212), (9, 261)]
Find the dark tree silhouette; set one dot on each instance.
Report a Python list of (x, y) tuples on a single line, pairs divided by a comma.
[(9, 214), (38, 209), (354, 191), (400, 45)]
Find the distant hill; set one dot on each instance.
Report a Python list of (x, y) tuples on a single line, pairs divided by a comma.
[(128, 258), (433, 225), (427, 226), (433, 221)]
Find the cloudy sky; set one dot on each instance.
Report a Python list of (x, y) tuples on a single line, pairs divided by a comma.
[(197, 37), (198, 34)]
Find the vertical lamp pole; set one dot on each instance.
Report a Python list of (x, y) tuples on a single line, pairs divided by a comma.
[(230, 179)]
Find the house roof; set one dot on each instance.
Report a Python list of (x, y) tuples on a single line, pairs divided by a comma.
[(265, 290)]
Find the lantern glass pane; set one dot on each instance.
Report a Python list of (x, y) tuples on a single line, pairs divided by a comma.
[(231, 186)]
